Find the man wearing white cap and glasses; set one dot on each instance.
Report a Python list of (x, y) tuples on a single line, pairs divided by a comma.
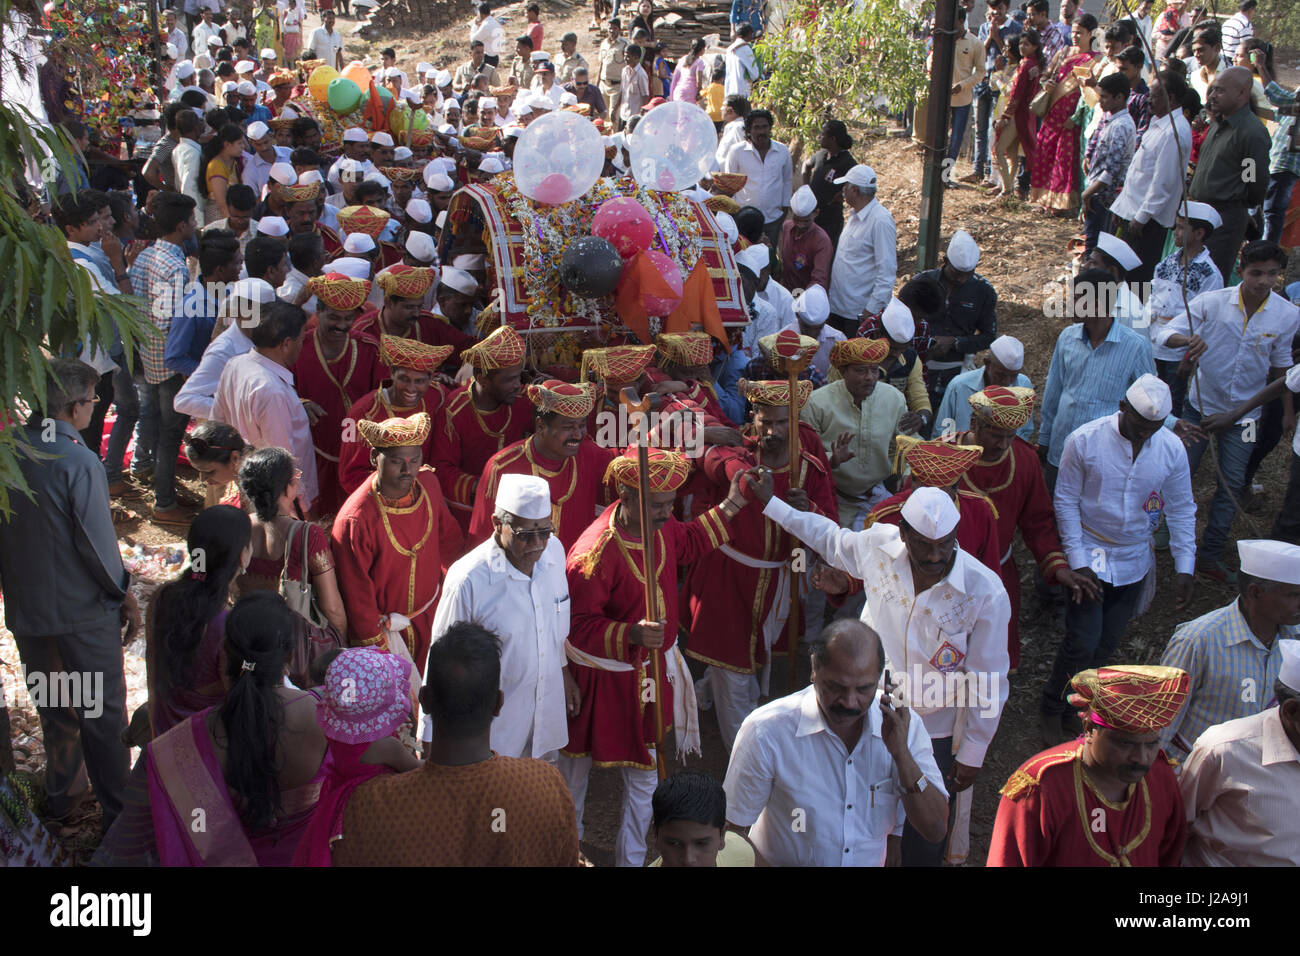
[(806, 249), (356, 149), (1003, 367), (1240, 339), (1190, 266), (866, 260), (942, 618), (1234, 653), (811, 311), (968, 324), (1239, 783), (514, 585), (1118, 476)]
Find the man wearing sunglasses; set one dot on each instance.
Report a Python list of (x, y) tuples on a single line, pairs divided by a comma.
[(514, 585)]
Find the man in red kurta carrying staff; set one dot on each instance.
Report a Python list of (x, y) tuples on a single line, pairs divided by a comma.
[(619, 367), (558, 451), (411, 366), (611, 642), (937, 464), (404, 288), (684, 357), (735, 601), (480, 418), (327, 374), (1008, 472), (392, 542), (1109, 798)]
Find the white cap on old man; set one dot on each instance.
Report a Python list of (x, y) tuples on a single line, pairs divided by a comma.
[(525, 496), (1009, 352)]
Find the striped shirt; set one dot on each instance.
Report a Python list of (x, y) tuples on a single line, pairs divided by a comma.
[(159, 275), (1281, 157), (1232, 673), (1084, 384)]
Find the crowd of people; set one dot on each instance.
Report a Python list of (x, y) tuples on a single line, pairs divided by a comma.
[(418, 599)]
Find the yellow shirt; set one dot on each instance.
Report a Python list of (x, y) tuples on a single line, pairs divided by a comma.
[(715, 95)]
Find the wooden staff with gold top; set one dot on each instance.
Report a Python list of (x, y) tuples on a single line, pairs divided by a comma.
[(641, 407), (795, 357)]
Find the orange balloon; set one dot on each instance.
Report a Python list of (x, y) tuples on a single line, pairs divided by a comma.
[(358, 74)]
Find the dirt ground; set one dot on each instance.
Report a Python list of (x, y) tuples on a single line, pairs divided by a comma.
[(1022, 253)]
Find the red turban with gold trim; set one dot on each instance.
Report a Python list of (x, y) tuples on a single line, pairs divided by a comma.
[(937, 464), (859, 352), (338, 291), (686, 348), (397, 352), (1004, 406), (368, 219), (1132, 698), (668, 469), (564, 398), (502, 349), (407, 282), (775, 393), (396, 432), (618, 365)]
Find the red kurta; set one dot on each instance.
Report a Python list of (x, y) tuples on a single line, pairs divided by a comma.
[(695, 392), (725, 602), (465, 439), (330, 240), (578, 490), (977, 532), (391, 559), (1051, 815), (430, 329), (354, 467), (616, 725), (1015, 485), (334, 386)]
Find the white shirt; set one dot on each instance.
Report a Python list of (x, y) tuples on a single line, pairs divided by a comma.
[(325, 44), (491, 33), (1153, 186), (764, 324), (787, 766), (257, 171), (732, 133), (741, 69), (1239, 786), (948, 643), (1128, 309), (196, 395), (531, 616), (826, 337), (866, 262), (768, 183), (177, 39), (202, 31), (1293, 383), (257, 397), (781, 301), (1108, 504), (187, 161), (553, 94), (1238, 353), (293, 283)]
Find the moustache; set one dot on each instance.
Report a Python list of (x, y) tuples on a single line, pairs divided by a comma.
[(1135, 768), (845, 712)]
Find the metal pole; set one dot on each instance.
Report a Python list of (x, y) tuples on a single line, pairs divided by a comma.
[(157, 50), (936, 140)]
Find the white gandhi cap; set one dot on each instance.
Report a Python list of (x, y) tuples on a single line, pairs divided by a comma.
[(459, 279), (898, 321), (963, 253), (930, 513), (1119, 250), (803, 202), (420, 246), (1203, 211), (755, 258), (419, 210), (1150, 398), (1289, 672), (1270, 560), (256, 130), (525, 496), (350, 267), (812, 305), (358, 242), (1009, 351), (274, 226)]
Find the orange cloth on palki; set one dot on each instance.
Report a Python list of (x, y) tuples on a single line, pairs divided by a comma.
[(390, 558), (736, 600), (336, 385), (1052, 815), (1014, 483), (578, 489), (616, 725), (939, 464), (394, 352), (465, 439)]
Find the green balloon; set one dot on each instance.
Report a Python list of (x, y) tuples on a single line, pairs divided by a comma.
[(343, 95)]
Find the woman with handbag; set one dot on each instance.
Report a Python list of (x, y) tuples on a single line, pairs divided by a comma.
[(268, 481), (1016, 130), (1054, 173)]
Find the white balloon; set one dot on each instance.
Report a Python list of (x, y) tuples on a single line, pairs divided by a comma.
[(673, 146), (558, 158)]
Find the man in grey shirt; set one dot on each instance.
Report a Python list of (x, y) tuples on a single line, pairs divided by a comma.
[(67, 599), (158, 171)]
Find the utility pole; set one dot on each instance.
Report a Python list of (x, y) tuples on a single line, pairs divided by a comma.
[(936, 138), (156, 47)]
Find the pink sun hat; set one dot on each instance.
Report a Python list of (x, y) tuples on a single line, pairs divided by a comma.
[(367, 696)]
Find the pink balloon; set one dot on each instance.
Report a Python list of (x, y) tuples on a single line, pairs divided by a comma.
[(625, 223), (553, 190), (657, 305)]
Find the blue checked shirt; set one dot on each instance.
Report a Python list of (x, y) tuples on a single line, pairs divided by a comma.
[(159, 275), (1084, 383), (1232, 673), (1281, 157)]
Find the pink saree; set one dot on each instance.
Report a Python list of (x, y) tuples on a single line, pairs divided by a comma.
[(195, 820), (1054, 172), (346, 773)]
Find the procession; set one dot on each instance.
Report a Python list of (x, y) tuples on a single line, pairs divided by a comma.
[(539, 435)]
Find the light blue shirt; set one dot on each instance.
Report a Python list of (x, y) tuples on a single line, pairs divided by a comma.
[(955, 407), (1084, 384)]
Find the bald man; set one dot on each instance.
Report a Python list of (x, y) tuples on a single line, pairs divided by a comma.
[(827, 775), (1232, 169)]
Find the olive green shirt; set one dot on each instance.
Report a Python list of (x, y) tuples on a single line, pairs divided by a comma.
[(1233, 164)]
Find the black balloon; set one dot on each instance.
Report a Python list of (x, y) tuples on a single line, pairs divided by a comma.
[(591, 267)]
